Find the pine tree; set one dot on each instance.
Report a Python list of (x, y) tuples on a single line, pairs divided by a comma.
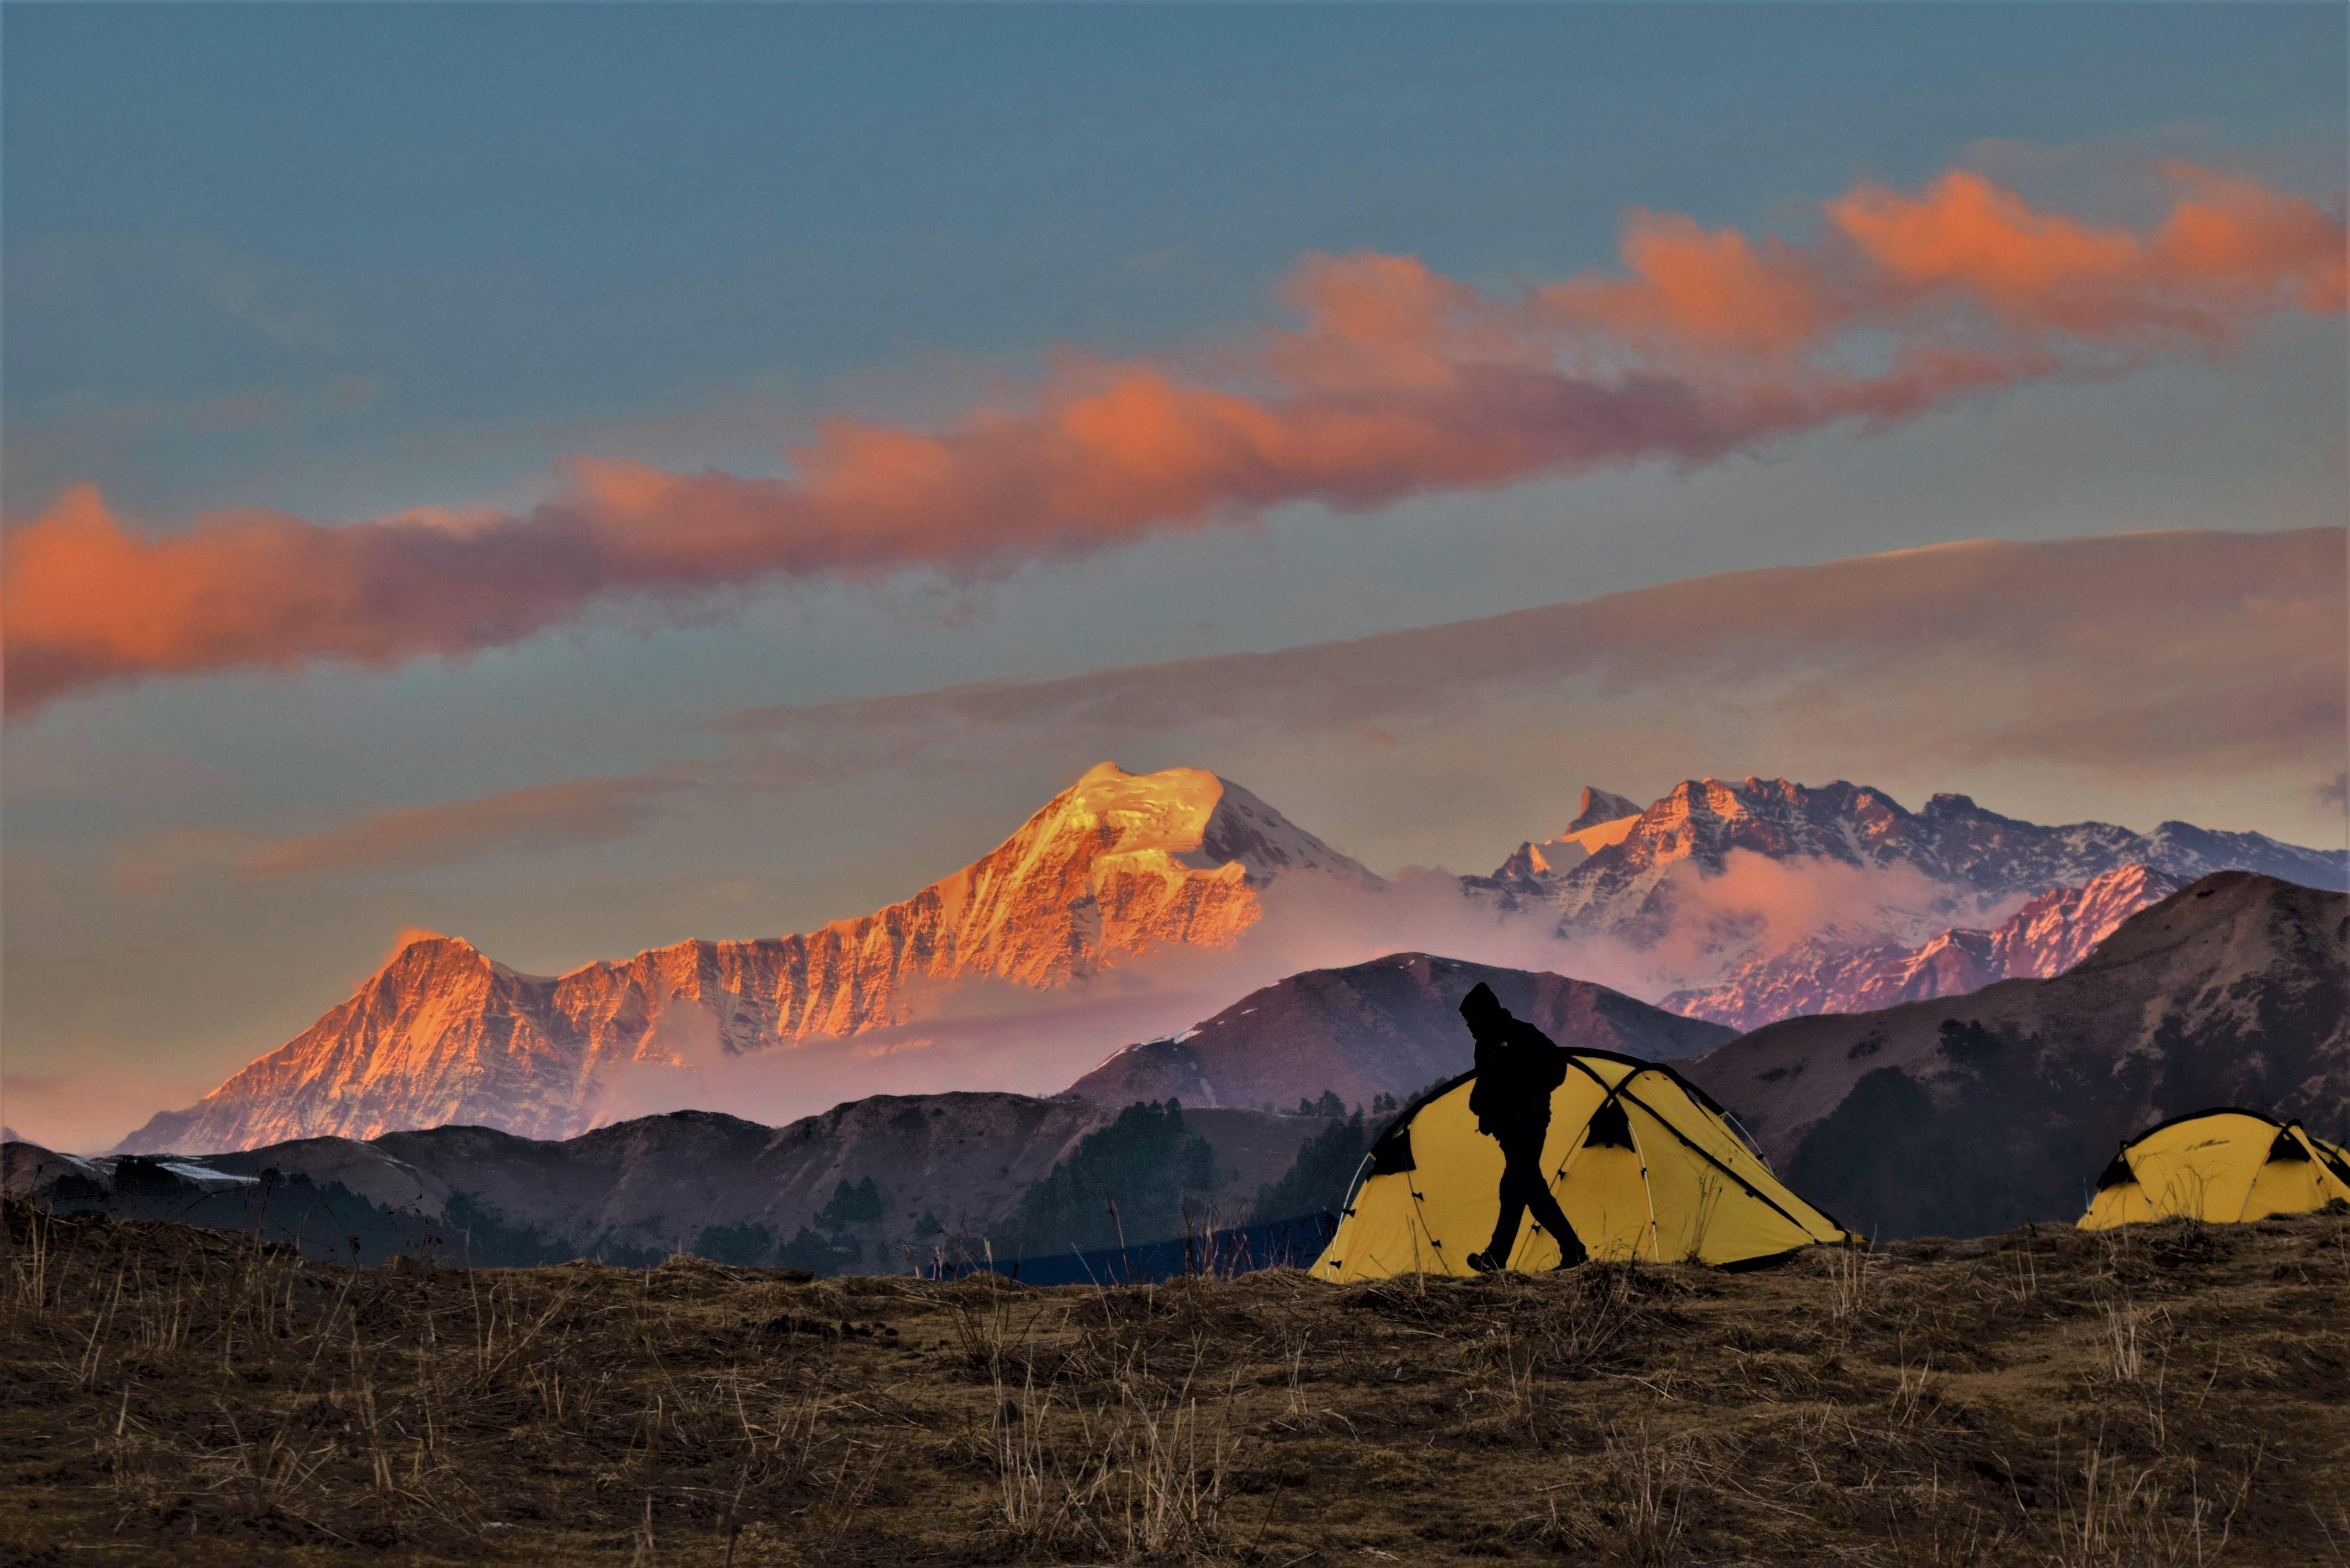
[(1324, 1169), (1126, 1183)]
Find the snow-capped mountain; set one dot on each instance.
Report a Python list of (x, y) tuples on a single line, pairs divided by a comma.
[(1115, 866), (1111, 867), (2046, 936), (1628, 889)]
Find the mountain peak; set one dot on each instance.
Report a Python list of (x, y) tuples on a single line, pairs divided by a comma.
[(2230, 991), (1175, 821), (1166, 810), (429, 953), (1598, 805), (427, 943)]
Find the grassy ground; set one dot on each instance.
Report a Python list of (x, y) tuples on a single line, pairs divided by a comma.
[(2162, 1394)]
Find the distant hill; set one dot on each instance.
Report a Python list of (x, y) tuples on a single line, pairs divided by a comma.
[(1391, 1026), (1965, 1115), (918, 1171)]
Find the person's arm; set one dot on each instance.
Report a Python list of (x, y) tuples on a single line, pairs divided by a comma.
[(1480, 1093)]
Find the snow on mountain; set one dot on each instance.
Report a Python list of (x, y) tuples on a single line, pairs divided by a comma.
[(1600, 820), (1111, 867), (1629, 889), (1819, 975)]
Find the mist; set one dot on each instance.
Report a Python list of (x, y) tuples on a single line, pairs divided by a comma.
[(991, 1034)]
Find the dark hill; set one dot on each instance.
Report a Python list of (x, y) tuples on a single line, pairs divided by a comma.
[(856, 1185), (1391, 1026), (1966, 1115)]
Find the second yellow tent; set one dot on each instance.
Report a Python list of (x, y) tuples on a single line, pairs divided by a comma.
[(2220, 1166)]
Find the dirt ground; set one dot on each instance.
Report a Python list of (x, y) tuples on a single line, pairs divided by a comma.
[(2163, 1395)]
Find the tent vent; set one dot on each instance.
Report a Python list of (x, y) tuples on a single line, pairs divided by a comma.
[(1392, 1153), (1610, 1127), (2288, 1147), (2115, 1174)]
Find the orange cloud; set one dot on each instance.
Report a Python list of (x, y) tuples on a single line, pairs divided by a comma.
[(1706, 287), (2228, 252), (575, 811), (1399, 382), (402, 838)]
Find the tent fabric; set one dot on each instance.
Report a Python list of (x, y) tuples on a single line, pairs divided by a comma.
[(1645, 1166), (2223, 1166)]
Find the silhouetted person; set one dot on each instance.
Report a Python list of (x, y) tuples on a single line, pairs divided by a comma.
[(1518, 1065)]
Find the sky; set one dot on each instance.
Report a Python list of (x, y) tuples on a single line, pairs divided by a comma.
[(527, 441)]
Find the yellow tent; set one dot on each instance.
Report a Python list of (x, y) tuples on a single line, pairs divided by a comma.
[(1646, 1165), (2219, 1165)]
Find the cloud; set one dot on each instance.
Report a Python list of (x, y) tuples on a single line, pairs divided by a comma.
[(542, 817), (1399, 382), (2192, 651), (2151, 675), (1760, 905), (576, 810)]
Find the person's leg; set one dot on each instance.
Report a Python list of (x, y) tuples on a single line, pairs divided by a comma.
[(1505, 1228), (1522, 1185), (1551, 1218)]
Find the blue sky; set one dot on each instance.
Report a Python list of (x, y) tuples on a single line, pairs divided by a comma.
[(341, 261), (459, 241)]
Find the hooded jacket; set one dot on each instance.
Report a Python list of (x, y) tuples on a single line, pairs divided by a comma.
[(1518, 1066)]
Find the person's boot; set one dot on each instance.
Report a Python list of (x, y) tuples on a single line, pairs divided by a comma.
[(1571, 1251), (1485, 1262)]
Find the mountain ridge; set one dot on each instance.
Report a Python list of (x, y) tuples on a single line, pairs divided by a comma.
[(1111, 867), (1631, 889), (645, 1187)]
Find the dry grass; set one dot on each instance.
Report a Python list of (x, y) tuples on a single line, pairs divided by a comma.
[(2170, 1395)]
